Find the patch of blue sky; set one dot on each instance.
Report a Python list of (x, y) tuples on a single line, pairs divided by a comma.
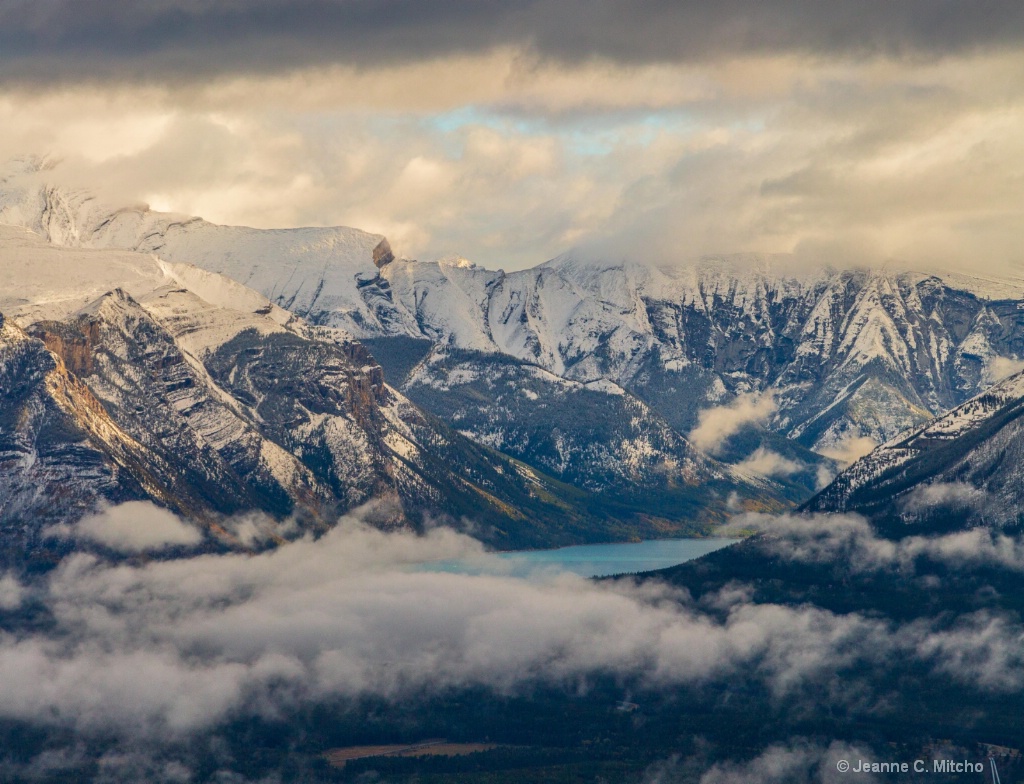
[(470, 116), (589, 135)]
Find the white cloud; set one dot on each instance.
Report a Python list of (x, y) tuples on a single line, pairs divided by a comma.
[(153, 654), (820, 539), (823, 477), (958, 494), (133, 527), (11, 593), (172, 647), (999, 368), (716, 425), (850, 540), (768, 463), (169, 648), (849, 449), (796, 763), (255, 529), (509, 161), (979, 546)]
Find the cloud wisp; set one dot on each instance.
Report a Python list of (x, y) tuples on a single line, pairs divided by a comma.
[(716, 425), (796, 763), (851, 449), (768, 463), (132, 527)]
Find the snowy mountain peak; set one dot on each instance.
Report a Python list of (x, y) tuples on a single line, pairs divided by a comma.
[(453, 261), (847, 353)]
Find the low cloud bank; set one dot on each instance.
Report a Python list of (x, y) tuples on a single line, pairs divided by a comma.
[(169, 648), (157, 652), (133, 527), (850, 540)]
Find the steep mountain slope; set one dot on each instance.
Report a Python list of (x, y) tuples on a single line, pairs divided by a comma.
[(222, 403), (963, 468), (846, 355), (593, 435), (60, 452), (148, 385)]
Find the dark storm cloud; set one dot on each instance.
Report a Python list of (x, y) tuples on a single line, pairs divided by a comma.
[(42, 40)]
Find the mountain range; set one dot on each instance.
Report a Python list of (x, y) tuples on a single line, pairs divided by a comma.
[(128, 377), (303, 371)]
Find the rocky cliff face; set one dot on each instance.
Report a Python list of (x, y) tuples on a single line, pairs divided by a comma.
[(60, 452), (960, 469), (221, 463)]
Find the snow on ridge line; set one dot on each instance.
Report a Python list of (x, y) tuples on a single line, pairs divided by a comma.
[(948, 426), (77, 216), (40, 281), (224, 292)]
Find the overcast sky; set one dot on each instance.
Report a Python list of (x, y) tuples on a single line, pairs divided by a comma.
[(508, 132)]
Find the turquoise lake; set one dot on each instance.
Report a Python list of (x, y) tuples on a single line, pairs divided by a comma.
[(589, 560)]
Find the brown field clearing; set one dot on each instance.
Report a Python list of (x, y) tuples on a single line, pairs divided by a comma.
[(434, 748)]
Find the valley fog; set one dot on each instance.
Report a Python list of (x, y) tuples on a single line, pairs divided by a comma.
[(153, 654)]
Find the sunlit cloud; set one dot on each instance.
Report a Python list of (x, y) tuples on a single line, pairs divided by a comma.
[(511, 146)]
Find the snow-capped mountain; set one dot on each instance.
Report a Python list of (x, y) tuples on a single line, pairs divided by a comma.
[(967, 464), (847, 353), (539, 363), (124, 376), (307, 271)]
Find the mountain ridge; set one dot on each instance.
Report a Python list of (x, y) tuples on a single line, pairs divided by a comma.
[(960, 469), (840, 358), (719, 327), (236, 405)]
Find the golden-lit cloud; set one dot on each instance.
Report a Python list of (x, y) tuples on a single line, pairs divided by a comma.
[(509, 157)]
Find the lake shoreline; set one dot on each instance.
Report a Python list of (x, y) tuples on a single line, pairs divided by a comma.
[(588, 560)]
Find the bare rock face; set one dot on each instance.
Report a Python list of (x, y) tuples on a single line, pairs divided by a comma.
[(60, 452), (382, 254), (76, 349), (212, 412)]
